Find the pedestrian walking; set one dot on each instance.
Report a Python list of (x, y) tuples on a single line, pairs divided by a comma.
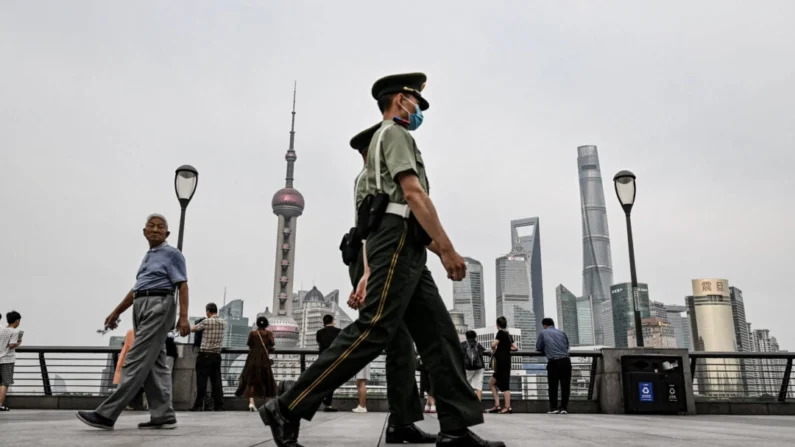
[(401, 382), (257, 380), (554, 344), (400, 288), (162, 272)]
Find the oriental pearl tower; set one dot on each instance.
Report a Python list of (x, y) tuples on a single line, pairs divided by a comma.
[(288, 205)]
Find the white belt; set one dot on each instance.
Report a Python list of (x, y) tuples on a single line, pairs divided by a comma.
[(398, 209)]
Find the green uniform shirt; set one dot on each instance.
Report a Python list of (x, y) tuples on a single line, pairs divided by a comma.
[(359, 193), (399, 154)]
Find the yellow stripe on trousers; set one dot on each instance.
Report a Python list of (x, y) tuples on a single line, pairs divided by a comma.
[(364, 334)]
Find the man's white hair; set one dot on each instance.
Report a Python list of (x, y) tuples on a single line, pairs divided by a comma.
[(156, 215)]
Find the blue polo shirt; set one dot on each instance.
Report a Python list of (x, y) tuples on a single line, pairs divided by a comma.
[(162, 268)]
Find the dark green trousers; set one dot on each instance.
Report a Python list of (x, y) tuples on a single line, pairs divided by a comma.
[(400, 291), (401, 379)]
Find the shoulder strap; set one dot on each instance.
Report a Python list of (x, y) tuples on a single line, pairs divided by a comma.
[(378, 157), (263, 342)]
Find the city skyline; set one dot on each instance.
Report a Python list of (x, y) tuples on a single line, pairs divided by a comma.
[(119, 96)]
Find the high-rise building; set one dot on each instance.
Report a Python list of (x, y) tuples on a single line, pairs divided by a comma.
[(608, 325), (679, 324), (742, 337), (237, 326), (623, 307), (468, 295), (568, 319), (288, 205), (309, 313), (459, 321), (526, 237), (657, 333), (658, 310), (585, 321), (514, 299), (769, 372), (712, 326), (597, 272)]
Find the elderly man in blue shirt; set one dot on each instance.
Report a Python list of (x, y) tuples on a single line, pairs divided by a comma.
[(554, 344), (162, 272)]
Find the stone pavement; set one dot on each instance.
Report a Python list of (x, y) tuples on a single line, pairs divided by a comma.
[(61, 428)]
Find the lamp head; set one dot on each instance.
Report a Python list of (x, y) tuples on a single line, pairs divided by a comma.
[(625, 189), (186, 179)]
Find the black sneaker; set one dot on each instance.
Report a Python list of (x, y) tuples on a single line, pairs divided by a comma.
[(466, 440), (95, 420), (330, 410), (167, 424), (285, 433), (4, 408), (410, 434)]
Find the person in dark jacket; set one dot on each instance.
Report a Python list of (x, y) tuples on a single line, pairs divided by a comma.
[(325, 337)]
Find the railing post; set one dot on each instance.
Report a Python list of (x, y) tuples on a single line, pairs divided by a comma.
[(303, 362), (692, 369), (45, 377), (593, 378), (782, 394)]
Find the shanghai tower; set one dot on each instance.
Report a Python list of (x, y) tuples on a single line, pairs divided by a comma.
[(597, 271)]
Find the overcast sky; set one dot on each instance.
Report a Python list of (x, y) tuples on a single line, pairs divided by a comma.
[(101, 101)]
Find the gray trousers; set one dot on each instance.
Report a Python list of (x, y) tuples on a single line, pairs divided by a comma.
[(145, 363)]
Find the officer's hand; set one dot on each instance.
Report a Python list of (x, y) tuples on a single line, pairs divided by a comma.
[(361, 291), (112, 322), (352, 300), (183, 326), (454, 264)]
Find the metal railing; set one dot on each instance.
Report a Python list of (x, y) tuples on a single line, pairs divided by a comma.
[(88, 371), (750, 375)]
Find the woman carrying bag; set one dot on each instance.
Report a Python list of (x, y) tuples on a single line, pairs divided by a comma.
[(256, 380)]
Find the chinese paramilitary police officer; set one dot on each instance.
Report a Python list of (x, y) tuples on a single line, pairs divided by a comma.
[(404, 401), (402, 221)]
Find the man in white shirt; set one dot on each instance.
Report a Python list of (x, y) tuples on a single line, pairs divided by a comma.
[(10, 338)]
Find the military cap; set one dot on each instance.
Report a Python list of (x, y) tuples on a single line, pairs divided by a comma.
[(412, 83), (361, 141)]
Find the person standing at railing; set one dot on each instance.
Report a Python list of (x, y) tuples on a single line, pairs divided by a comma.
[(554, 344), (257, 380), (208, 362), (473, 362), (10, 338), (162, 271), (325, 337), (501, 349)]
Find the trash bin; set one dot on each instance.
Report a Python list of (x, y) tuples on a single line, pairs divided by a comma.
[(653, 384)]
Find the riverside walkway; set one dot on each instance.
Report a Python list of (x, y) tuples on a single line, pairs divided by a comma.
[(233, 428)]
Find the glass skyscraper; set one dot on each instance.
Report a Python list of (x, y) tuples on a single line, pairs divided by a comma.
[(514, 300), (624, 310), (468, 295), (597, 272), (568, 320), (585, 321), (526, 238)]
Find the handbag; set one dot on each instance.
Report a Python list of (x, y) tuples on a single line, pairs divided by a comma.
[(270, 360)]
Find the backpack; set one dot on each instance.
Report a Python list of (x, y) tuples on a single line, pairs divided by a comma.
[(473, 357)]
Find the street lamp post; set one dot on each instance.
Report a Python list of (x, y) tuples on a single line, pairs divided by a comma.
[(625, 190), (185, 181)]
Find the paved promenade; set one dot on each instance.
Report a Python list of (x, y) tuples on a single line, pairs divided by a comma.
[(61, 428)]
